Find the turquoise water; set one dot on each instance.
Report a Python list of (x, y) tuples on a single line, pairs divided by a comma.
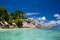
[(29, 34)]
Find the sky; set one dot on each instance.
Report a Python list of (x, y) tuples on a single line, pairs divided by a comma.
[(45, 10)]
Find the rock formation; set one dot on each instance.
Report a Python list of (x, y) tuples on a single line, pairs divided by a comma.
[(31, 23), (26, 23)]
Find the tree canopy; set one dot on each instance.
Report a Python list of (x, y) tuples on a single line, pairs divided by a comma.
[(16, 16)]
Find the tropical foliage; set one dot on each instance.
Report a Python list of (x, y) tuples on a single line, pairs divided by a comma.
[(16, 16)]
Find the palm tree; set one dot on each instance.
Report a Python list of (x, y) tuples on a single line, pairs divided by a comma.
[(19, 13), (17, 16), (2, 12), (4, 15)]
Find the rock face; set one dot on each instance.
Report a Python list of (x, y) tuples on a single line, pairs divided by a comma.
[(31, 23), (6, 25), (1, 25), (26, 23), (13, 25)]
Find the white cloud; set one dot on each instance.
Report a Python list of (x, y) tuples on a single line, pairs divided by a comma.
[(42, 18), (33, 13), (52, 22), (49, 24), (42, 22), (58, 21), (57, 16)]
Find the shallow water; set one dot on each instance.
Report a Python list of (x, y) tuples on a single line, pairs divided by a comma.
[(29, 34)]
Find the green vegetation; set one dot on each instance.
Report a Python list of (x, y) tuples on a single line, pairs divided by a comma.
[(11, 17), (14, 19)]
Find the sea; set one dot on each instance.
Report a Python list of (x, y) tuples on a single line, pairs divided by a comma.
[(30, 34)]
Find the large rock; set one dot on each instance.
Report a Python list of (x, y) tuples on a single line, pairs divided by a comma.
[(28, 25), (13, 25), (31, 23), (6, 25), (1, 25)]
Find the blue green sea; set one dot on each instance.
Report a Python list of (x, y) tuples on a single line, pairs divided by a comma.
[(30, 34)]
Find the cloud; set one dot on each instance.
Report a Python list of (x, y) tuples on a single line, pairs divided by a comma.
[(57, 16), (42, 22), (51, 23), (58, 21), (33, 13), (42, 18)]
